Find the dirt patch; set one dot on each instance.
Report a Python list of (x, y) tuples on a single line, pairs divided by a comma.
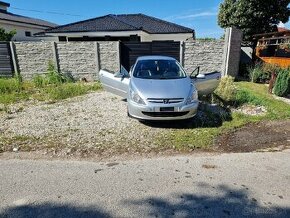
[(256, 137)]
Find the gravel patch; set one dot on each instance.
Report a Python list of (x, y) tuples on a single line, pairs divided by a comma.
[(98, 121)]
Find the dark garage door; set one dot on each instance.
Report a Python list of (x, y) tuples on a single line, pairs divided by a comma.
[(130, 51), (6, 66)]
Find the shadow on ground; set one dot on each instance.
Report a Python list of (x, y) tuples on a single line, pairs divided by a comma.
[(224, 202), (52, 210), (208, 115), (219, 201)]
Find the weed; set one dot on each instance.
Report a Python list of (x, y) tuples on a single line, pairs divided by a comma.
[(8, 86)]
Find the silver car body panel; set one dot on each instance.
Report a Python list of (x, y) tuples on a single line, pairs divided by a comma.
[(114, 83), (164, 99), (207, 83)]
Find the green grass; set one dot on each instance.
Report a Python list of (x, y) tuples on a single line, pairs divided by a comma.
[(68, 90), (202, 135), (13, 91)]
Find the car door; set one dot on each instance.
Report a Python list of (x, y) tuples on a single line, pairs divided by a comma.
[(117, 83), (206, 83)]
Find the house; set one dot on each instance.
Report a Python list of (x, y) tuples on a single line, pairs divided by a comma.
[(124, 27), (274, 48), (25, 27)]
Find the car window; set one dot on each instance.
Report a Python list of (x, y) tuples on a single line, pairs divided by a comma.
[(158, 69)]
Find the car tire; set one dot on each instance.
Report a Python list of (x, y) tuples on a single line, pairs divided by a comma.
[(129, 115)]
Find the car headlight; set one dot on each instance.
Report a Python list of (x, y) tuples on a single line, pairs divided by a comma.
[(193, 97), (136, 98)]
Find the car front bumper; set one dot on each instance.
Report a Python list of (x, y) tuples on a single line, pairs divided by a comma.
[(153, 111)]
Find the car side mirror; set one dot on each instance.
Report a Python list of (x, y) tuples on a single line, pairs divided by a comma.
[(200, 76), (131, 68), (195, 73), (122, 74)]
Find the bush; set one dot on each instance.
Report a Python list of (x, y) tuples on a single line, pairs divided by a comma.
[(261, 73), (282, 84), (226, 89)]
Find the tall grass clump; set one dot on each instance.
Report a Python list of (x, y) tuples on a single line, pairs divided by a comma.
[(10, 85), (226, 89), (68, 90), (52, 77), (282, 84)]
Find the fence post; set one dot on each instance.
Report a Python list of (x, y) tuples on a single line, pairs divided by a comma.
[(54, 51), (181, 53), (14, 60), (119, 54), (97, 59)]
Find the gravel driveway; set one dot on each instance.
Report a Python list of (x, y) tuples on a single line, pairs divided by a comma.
[(95, 121)]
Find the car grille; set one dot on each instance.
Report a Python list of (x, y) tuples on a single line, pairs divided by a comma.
[(165, 100), (165, 114)]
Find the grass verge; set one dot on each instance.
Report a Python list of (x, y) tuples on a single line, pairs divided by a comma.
[(201, 132), (13, 90)]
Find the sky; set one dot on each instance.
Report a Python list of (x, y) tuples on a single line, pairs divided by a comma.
[(200, 15)]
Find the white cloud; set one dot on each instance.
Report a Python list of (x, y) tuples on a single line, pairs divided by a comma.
[(197, 13), (201, 14)]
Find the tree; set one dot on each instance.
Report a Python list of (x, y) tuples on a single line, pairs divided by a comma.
[(253, 16), (6, 36)]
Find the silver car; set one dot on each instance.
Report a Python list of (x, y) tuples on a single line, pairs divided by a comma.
[(158, 88)]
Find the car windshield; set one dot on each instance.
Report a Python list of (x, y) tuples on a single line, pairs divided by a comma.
[(158, 69)]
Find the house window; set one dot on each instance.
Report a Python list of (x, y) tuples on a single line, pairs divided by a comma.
[(27, 33), (62, 38)]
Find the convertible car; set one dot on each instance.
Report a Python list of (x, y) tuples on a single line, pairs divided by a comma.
[(158, 88)]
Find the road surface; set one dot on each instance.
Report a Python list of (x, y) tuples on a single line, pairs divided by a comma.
[(250, 184)]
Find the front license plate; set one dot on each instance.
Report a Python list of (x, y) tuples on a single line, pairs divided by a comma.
[(166, 109)]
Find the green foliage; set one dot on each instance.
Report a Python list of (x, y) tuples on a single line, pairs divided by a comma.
[(68, 90), (6, 36), (53, 77), (253, 16), (10, 85), (39, 81), (282, 84), (226, 89), (247, 93), (261, 73), (255, 72)]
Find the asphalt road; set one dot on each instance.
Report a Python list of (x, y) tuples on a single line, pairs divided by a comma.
[(238, 185)]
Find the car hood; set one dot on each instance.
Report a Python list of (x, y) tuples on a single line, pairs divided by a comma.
[(170, 88)]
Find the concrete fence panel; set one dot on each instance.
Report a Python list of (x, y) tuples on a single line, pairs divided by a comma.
[(207, 54), (33, 57), (109, 56), (78, 59)]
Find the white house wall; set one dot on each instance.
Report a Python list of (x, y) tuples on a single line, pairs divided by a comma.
[(165, 37), (21, 29), (145, 37)]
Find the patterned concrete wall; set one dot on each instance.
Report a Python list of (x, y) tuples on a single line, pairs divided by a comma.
[(33, 57), (109, 56), (80, 59), (85, 59), (203, 53)]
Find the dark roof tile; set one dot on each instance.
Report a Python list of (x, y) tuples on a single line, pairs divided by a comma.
[(124, 22), (4, 15)]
